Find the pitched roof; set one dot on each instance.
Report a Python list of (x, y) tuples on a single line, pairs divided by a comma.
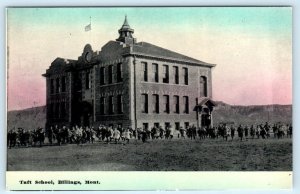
[(153, 50), (125, 24), (204, 100)]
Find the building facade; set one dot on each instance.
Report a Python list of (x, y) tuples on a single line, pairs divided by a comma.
[(129, 83)]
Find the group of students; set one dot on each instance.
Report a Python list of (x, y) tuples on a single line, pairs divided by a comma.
[(109, 134), (263, 131)]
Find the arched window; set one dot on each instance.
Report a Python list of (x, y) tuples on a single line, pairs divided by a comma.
[(203, 86)]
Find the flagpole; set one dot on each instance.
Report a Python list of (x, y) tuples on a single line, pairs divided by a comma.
[(91, 28)]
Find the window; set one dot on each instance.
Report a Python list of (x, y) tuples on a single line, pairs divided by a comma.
[(166, 102), (156, 125), (165, 74), (87, 80), (120, 104), (176, 76), (57, 112), (119, 72), (176, 104), (185, 75), (51, 86), (63, 110), (167, 125), (102, 105), (144, 103), (57, 85), (203, 86), (111, 104), (119, 125), (186, 125), (145, 71), (155, 103), (78, 82), (145, 126), (110, 74), (63, 84), (51, 110), (186, 104), (177, 125), (155, 72), (102, 75)]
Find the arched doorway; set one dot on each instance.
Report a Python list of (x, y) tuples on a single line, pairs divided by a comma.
[(204, 110), (205, 116)]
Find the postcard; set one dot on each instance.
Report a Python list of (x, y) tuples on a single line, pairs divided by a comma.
[(154, 98)]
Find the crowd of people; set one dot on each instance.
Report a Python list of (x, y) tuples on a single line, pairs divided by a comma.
[(80, 135)]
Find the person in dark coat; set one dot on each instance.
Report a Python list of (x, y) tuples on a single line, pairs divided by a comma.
[(240, 131), (246, 132), (232, 132), (50, 135), (144, 136)]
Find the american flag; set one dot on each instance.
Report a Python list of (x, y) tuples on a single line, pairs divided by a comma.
[(88, 28)]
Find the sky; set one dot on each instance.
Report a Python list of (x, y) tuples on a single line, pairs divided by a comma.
[(252, 46)]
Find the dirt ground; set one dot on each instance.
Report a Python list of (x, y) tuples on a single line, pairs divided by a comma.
[(157, 155)]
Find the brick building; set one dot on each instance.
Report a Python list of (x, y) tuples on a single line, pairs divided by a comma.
[(129, 83)]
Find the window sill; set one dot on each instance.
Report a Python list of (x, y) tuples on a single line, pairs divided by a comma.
[(164, 83), (118, 83)]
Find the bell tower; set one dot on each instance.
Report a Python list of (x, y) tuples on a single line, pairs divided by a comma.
[(125, 33)]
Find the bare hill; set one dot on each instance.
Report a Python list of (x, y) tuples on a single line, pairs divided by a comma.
[(27, 118), (36, 116), (254, 114)]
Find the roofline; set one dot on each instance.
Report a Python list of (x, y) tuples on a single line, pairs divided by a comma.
[(205, 100), (169, 59)]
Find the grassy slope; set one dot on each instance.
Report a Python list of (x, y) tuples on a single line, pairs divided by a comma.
[(177, 154), (253, 114), (28, 118)]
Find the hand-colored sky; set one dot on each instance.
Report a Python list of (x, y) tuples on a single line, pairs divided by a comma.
[(252, 47)]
